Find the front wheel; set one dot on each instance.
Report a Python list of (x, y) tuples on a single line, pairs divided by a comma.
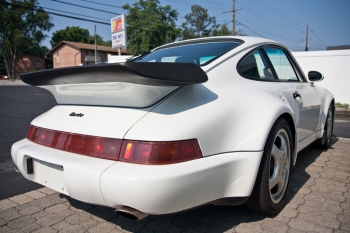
[(271, 185)]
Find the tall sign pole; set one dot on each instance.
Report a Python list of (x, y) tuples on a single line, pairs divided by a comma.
[(95, 47)]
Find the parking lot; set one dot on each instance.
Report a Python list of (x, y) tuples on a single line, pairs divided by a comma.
[(318, 201)]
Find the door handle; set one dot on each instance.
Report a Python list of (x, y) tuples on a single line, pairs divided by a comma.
[(296, 95)]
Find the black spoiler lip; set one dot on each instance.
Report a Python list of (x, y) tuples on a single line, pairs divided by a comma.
[(146, 73)]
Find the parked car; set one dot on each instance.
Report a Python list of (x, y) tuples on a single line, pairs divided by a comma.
[(213, 120)]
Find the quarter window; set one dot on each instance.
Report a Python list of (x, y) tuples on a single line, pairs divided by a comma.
[(255, 66), (281, 64)]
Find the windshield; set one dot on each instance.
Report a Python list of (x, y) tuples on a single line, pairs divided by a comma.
[(197, 53)]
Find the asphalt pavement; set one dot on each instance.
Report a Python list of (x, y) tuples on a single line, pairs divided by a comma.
[(19, 105)]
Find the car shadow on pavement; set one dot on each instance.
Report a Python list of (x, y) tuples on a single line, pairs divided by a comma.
[(207, 218)]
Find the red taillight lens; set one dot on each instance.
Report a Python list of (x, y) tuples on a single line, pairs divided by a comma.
[(107, 148), (117, 149), (159, 152)]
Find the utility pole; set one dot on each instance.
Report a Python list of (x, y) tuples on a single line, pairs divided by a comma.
[(307, 38), (233, 17), (95, 47), (233, 11)]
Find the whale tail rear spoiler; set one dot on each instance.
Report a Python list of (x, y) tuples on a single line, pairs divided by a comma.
[(129, 84), (147, 73)]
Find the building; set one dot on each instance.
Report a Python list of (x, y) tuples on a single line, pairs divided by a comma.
[(29, 62), (339, 47), (68, 53)]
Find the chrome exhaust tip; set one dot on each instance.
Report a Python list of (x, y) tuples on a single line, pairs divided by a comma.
[(129, 212)]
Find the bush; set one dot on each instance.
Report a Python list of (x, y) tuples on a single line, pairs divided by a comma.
[(339, 105)]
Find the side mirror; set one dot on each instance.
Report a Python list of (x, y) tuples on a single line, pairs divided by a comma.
[(315, 76)]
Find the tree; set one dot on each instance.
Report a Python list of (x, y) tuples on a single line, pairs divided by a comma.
[(198, 23), (99, 40), (150, 25), (23, 24), (77, 34), (222, 31), (38, 50)]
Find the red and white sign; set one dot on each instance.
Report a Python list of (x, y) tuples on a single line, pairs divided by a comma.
[(118, 23), (118, 27)]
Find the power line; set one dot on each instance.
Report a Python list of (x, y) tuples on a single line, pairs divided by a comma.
[(82, 19), (102, 4), (190, 4), (318, 38), (273, 34), (251, 29), (245, 19), (263, 17), (114, 13), (274, 12), (74, 13), (285, 14)]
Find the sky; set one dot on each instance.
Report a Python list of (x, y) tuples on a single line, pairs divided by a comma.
[(279, 20)]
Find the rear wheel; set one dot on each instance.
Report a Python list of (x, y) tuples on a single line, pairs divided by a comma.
[(328, 129), (271, 185)]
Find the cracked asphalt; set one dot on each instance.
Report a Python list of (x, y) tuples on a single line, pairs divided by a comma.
[(318, 198)]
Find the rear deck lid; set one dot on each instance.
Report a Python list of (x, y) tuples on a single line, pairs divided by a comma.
[(129, 84)]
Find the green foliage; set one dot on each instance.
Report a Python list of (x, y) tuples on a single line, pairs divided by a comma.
[(339, 105), (77, 34), (150, 25), (38, 50), (198, 23), (22, 26), (240, 33), (222, 31)]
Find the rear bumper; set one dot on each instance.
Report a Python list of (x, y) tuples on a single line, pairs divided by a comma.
[(152, 189)]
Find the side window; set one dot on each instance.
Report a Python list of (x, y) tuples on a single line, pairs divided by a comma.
[(254, 66), (281, 64)]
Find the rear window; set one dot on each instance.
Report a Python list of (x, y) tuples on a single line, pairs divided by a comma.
[(197, 53)]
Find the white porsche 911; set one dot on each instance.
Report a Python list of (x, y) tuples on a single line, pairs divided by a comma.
[(214, 120)]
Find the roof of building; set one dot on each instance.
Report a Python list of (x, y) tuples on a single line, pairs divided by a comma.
[(79, 46), (340, 47)]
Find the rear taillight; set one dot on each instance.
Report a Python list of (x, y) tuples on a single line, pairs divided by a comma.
[(117, 149), (159, 152), (106, 148)]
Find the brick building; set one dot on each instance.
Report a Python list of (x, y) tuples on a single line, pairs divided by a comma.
[(28, 62), (68, 53)]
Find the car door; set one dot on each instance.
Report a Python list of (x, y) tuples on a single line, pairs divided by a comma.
[(305, 98)]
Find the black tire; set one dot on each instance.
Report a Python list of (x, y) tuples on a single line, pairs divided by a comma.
[(326, 139), (275, 166)]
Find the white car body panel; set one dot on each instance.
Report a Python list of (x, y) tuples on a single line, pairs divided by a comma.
[(81, 174), (151, 189), (109, 94), (97, 121), (230, 116)]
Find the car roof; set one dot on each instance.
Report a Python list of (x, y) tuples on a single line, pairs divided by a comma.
[(248, 40)]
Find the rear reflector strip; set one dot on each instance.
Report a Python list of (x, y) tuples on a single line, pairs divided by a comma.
[(99, 147), (142, 152)]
